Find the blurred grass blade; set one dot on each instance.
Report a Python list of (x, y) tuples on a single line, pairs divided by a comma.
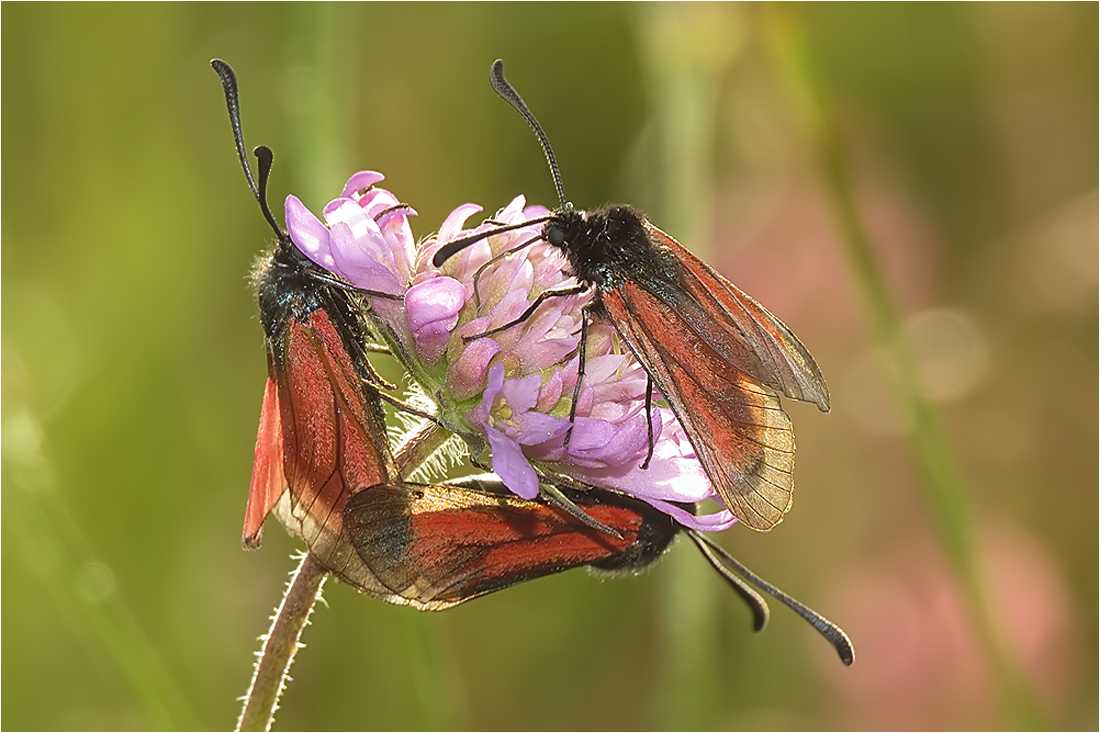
[(56, 549), (941, 482), (686, 49)]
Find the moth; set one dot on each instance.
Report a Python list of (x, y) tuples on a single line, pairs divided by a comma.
[(322, 432), (718, 357), (434, 547)]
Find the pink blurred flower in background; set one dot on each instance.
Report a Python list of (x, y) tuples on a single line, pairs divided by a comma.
[(920, 666)]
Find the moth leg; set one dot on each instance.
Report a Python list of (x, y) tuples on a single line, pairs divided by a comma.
[(555, 497), (648, 418), (327, 279), (406, 407), (392, 209), (581, 348), (543, 297)]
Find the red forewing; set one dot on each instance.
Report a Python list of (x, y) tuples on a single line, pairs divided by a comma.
[(334, 438), (437, 546), (741, 434), (322, 430), (718, 356), (740, 330), (739, 430), (268, 479)]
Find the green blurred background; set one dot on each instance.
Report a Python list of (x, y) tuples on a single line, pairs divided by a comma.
[(133, 362)]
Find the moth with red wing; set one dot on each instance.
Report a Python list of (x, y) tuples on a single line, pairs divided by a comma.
[(434, 547), (322, 413), (717, 355)]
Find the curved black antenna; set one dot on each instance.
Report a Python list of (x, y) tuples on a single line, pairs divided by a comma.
[(824, 626), (450, 249), (232, 102), (509, 94), (755, 601), (263, 154), (264, 160)]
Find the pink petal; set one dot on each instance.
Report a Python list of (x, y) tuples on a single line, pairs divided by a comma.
[(550, 393), (534, 211), (438, 299), (455, 220), (467, 375), (536, 428), (716, 522), (308, 233), (361, 180), (522, 394), (359, 267), (384, 219), (511, 465), (513, 212), (432, 309), (335, 205)]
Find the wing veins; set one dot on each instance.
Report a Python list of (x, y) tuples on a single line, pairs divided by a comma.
[(737, 484), (799, 377)]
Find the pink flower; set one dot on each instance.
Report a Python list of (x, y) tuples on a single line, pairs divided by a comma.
[(508, 393)]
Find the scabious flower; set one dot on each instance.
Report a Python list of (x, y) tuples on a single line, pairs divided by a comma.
[(508, 393)]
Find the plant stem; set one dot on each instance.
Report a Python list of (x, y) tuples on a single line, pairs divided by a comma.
[(418, 447), (280, 645), (941, 480)]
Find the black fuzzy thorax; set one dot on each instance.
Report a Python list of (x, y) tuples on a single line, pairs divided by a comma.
[(288, 292), (612, 245)]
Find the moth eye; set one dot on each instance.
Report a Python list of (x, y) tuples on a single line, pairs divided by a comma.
[(555, 235)]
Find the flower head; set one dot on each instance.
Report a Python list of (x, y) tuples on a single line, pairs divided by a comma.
[(367, 239), (509, 392)]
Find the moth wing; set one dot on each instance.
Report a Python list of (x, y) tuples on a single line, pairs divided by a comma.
[(740, 432), (741, 330), (268, 480), (333, 443), (437, 546)]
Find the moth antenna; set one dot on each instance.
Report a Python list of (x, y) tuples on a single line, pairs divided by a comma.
[(232, 102), (824, 626), (755, 601), (264, 159), (450, 249), (263, 154), (509, 94)]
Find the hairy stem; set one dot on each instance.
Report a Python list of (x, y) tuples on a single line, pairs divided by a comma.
[(280, 645)]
